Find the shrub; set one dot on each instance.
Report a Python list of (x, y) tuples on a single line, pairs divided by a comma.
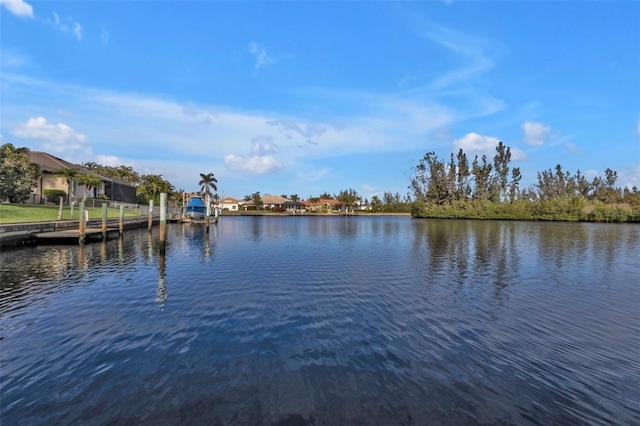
[(53, 195)]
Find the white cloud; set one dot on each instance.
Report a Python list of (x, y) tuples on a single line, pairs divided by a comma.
[(254, 164), (476, 144), (262, 58), (113, 161), (535, 133), (18, 7), (59, 138), (69, 25)]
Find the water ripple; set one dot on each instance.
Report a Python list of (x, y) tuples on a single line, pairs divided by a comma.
[(326, 321)]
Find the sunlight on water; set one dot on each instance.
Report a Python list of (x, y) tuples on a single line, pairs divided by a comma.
[(326, 321)]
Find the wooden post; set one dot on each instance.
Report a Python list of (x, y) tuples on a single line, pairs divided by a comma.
[(207, 218), (104, 221), (162, 272), (150, 225), (163, 217), (81, 230), (121, 223), (60, 209)]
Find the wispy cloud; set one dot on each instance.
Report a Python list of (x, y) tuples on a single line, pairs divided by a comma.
[(18, 7), (261, 56), (263, 145), (535, 134), (571, 146), (58, 138), (468, 57), (471, 51), (68, 25), (104, 36)]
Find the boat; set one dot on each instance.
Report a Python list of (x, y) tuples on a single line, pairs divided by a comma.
[(196, 208)]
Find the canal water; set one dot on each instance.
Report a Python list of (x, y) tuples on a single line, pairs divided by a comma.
[(326, 321)]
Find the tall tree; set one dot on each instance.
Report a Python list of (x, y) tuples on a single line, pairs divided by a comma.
[(151, 188), (501, 167), (376, 204), (18, 176), (482, 174), (430, 182), (295, 198), (514, 185), (257, 200), (208, 182), (348, 198), (463, 190)]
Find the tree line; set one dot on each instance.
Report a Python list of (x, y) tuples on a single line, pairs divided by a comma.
[(490, 188)]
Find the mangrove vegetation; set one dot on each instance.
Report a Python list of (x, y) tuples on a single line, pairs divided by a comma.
[(490, 189)]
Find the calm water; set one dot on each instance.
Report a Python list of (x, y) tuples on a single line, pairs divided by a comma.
[(327, 321)]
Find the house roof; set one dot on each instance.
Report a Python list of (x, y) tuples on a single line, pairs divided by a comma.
[(274, 199), (229, 200), (51, 164), (321, 202)]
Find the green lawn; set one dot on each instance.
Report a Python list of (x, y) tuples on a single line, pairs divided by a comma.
[(21, 213)]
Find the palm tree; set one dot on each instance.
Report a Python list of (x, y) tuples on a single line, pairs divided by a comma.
[(69, 175), (257, 200), (207, 181), (90, 181)]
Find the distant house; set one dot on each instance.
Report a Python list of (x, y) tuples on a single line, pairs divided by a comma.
[(273, 201), (113, 189), (323, 205), (229, 203)]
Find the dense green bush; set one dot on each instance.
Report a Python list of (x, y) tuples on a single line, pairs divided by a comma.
[(573, 209), (53, 195)]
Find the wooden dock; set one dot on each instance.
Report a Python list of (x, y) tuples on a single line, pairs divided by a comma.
[(72, 235)]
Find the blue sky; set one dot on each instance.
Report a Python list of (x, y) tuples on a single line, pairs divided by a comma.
[(311, 97)]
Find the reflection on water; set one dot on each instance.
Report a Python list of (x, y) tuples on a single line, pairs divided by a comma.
[(335, 320)]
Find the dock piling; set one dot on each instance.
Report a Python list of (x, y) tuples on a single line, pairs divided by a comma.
[(208, 214), (121, 222), (163, 217), (150, 226), (104, 220), (82, 224)]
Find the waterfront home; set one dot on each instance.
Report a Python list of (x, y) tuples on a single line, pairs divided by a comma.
[(112, 189), (229, 203), (323, 205)]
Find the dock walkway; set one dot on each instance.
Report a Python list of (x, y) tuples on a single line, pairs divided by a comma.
[(66, 231)]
